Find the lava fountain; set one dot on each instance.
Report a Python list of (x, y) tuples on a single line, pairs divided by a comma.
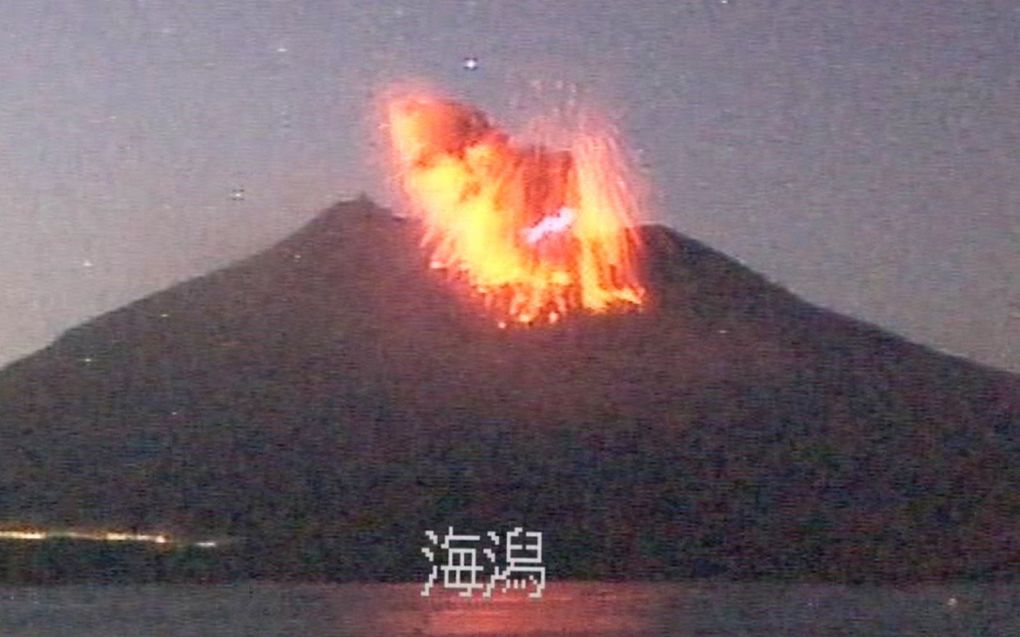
[(536, 233)]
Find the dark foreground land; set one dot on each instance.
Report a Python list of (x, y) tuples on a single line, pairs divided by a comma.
[(74, 562), (330, 399)]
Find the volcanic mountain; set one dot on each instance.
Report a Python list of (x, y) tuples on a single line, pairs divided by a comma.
[(330, 399)]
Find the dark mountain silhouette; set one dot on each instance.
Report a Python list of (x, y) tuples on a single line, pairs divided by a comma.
[(330, 399)]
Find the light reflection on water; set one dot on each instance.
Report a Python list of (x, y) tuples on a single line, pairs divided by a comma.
[(699, 609), (564, 609)]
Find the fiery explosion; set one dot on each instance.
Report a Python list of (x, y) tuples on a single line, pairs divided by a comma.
[(536, 233)]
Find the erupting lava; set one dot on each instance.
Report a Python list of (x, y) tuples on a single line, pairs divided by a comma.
[(537, 233)]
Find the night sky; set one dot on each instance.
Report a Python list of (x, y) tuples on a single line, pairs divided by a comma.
[(863, 153)]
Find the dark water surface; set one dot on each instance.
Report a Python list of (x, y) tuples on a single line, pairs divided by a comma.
[(566, 608)]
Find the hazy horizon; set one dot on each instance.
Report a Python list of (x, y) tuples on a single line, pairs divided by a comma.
[(860, 155)]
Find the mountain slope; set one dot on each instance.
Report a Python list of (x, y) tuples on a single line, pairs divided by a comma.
[(330, 399)]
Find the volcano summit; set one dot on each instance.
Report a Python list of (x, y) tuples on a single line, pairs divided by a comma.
[(330, 399)]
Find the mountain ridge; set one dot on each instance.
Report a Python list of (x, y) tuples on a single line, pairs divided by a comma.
[(330, 396)]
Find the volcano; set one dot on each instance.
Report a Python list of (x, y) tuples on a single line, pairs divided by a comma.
[(327, 401)]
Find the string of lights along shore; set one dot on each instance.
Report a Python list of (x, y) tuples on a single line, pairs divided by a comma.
[(161, 539)]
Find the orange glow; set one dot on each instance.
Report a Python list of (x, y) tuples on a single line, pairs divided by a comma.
[(536, 233)]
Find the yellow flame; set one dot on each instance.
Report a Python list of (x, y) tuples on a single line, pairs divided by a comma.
[(536, 233)]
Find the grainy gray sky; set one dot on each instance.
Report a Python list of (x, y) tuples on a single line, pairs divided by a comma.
[(863, 153)]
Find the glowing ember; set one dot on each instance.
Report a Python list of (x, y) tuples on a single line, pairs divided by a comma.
[(537, 233)]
